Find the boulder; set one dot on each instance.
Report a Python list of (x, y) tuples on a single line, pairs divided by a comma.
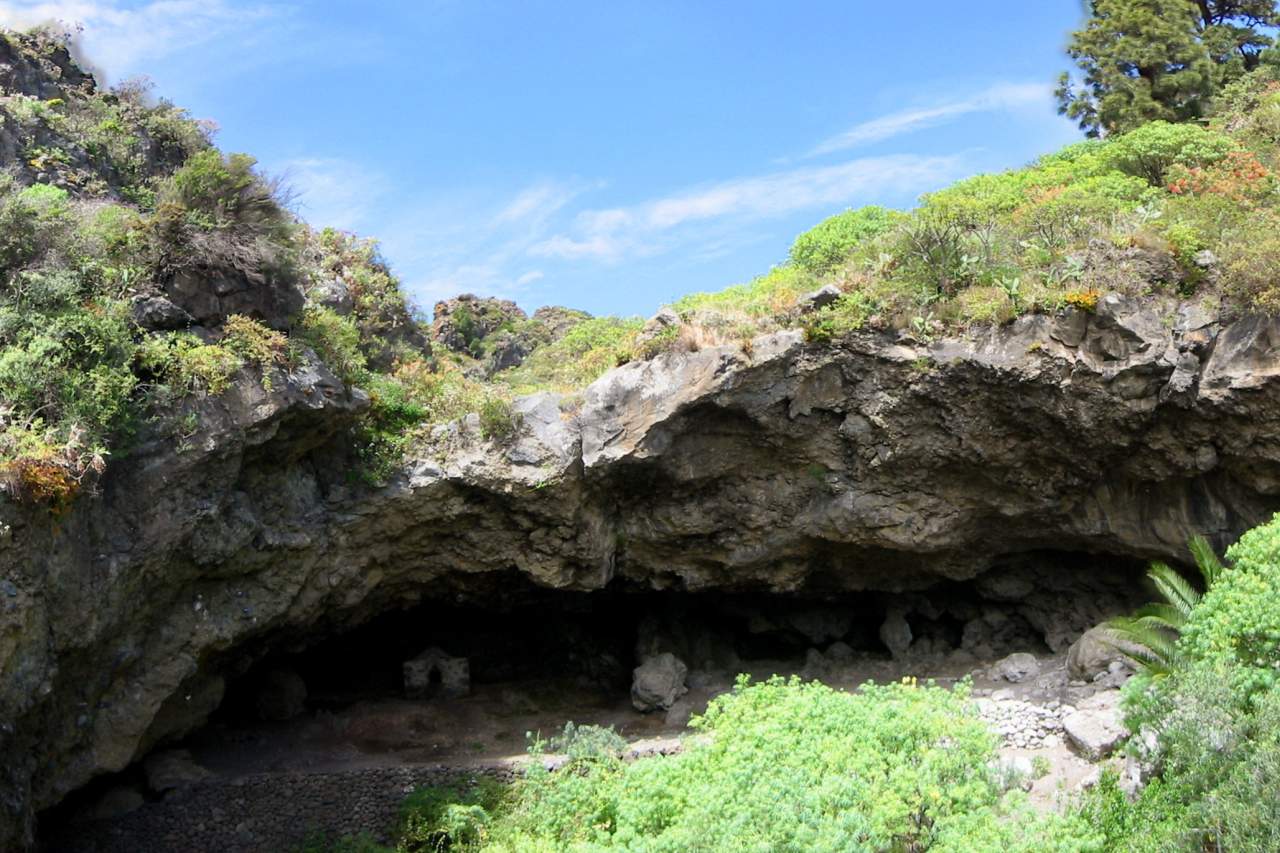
[(895, 633), (1014, 668), (282, 695), (159, 314), (1093, 654), (826, 295), (658, 682), (1095, 728), (171, 769), (655, 329)]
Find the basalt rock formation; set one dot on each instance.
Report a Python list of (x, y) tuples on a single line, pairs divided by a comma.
[(878, 463)]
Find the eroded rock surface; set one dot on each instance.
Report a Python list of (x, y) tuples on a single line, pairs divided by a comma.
[(880, 464)]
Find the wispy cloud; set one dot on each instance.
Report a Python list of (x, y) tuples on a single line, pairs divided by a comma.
[(473, 243), (537, 202), (1002, 97), (122, 37), (333, 192), (616, 232)]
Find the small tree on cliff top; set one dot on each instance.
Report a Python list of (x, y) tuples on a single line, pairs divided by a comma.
[(1142, 60)]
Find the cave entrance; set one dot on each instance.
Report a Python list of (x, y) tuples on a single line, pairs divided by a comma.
[(471, 674)]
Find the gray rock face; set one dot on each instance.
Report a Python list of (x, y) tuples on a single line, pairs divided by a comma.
[(210, 296), (658, 682), (794, 467)]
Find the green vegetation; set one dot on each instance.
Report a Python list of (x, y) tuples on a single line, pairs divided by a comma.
[(587, 350), (1134, 214), (1207, 721), (826, 246), (1148, 60), (116, 197), (778, 765), (1150, 635)]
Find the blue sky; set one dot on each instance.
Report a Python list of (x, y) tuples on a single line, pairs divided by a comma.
[(609, 156)]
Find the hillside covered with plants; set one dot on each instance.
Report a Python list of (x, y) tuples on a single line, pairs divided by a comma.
[(146, 276), (118, 209)]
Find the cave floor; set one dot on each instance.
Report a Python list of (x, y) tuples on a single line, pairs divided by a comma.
[(347, 745), (496, 721)]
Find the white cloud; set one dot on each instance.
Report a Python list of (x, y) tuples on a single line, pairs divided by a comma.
[(530, 277), (536, 202), (612, 233), (333, 192), (124, 37), (1002, 97)]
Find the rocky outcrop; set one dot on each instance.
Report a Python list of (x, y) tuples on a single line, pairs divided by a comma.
[(463, 322), (879, 464)]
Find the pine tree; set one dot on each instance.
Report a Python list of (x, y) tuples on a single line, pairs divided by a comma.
[(1142, 60)]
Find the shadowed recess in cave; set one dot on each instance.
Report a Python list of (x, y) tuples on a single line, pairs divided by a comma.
[(532, 659)]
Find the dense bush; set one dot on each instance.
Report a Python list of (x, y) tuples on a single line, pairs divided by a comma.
[(1237, 622), (780, 765), (826, 246), (1206, 725)]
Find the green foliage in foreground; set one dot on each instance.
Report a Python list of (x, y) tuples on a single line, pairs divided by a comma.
[(781, 766), (1209, 727)]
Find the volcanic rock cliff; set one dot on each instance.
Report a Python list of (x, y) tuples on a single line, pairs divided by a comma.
[(879, 463)]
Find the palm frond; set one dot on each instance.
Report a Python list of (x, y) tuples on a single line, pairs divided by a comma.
[(1176, 589), (1161, 615), (1149, 645), (1206, 561)]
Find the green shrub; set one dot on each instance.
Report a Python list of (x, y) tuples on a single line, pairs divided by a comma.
[(336, 340), (587, 743), (577, 359), (828, 244), (181, 364), (847, 314), (1150, 151), (783, 765), (254, 342), (449, 817), (498, 420), (1237, 621), (764, 296)]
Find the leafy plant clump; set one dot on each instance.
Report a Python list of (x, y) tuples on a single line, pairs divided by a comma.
[(779, 765), (1206, 720)]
